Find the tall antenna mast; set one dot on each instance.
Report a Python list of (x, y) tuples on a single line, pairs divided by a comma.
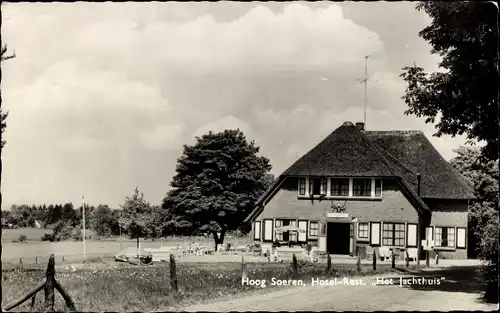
[(364, 81)]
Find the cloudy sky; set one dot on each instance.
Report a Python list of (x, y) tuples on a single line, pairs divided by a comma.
[(102, 96)]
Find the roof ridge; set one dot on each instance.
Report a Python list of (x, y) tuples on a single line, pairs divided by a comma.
[(308, 151), (395, 131)]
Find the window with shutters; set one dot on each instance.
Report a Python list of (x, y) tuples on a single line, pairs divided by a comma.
[(393, 234)]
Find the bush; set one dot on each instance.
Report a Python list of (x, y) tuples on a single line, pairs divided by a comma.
[(76, 234), (239, 233), (62, 231), (48, 237), (23, 238)]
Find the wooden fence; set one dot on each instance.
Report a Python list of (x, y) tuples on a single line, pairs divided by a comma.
[(48, 285)]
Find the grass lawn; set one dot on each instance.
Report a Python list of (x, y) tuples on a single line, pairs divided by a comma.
[(127, 288), (73, 250), (33, 234)]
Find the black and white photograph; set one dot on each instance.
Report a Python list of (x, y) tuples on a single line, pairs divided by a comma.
[(249, 156)]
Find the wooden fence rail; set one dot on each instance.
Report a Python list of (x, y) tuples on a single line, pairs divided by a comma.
[(48, 285)]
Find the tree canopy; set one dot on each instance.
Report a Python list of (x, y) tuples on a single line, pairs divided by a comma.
[(135, 217), (104, 221), (483, 212), (463, 96), (3, 116), (217, 181)]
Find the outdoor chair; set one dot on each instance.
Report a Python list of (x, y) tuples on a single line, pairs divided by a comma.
[(200, 251), (384, 253)]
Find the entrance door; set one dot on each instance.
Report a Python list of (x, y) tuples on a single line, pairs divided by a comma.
[(337, 238)]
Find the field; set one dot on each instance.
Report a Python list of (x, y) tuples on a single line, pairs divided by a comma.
[(104, 285), (147, 288), (73, 250), (33, 234)]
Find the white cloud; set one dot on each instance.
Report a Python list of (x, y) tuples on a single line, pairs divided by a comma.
[(101, 89), (227, 122), (83, 143), (163, 137)]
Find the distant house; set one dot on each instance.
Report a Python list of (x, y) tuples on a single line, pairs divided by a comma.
[(6, 225), (368, 190)]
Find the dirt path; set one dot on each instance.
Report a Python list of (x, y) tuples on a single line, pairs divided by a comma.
[(458, 291)]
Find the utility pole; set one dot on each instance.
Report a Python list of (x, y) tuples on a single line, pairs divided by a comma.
[(83, 223), (364, 81), (120, 227)]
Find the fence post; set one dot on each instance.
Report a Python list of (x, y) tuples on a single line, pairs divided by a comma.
[(407, 257), (328, 264), (374, 260), (49, 284), (427, 256), (33, 299), (294, 265), (393, 261), (36, 260), (358, 264), (243, 269), (173, 273), (437, 258)]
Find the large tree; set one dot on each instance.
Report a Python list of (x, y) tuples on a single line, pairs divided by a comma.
[(104, 221), (3, 116), (23, 215), (463, 95), (483, 212), (217, 182)]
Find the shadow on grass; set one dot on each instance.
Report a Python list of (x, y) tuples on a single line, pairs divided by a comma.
[(456, 279)]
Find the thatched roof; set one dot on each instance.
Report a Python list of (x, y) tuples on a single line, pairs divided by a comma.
[(345, 152), (348, 151), (439, 180), (351, 152)]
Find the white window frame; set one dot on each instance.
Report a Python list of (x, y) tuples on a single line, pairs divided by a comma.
[(311, 229), (293, 236), (328, 192), (393, 230), (381, 187), (437, 242), (276, 233), (323, 182), (323, 186), (257, 231), (349, 188), (302, 179), (371, 183), (367, 238)]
